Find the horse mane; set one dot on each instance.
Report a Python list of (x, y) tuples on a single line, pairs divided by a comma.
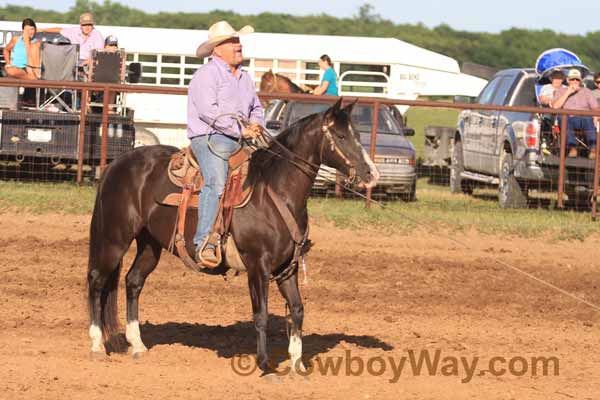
[(293, 87), (272, 76), (264, 162)]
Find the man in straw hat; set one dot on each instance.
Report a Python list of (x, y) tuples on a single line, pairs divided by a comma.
[(218, 90), (577, 97), (85, 35)]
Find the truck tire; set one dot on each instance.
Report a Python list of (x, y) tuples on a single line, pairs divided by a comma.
[(412, 194), (457, 183), (144, 137), (510, 192), (579, 200)]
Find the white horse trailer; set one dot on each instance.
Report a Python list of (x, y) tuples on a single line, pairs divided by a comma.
[(379, 67)]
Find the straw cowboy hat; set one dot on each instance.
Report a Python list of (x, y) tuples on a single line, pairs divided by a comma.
[(218, 33)]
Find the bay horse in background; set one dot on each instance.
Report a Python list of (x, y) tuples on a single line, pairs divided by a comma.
[(126, 209), (271, 82)]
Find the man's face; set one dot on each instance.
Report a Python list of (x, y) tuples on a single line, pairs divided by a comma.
[(574, 82), (29, 32), (111, 47), (230, 51), (86, 29)]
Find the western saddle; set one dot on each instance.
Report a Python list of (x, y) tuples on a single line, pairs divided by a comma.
[(183, 171)]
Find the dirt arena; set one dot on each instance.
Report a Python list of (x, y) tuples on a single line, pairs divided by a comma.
[(369, 302)]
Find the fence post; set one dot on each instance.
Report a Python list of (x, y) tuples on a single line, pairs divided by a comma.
[(338, 185), (104, 138), (81, 144), (372, 146), (561, 165), (596, 177)]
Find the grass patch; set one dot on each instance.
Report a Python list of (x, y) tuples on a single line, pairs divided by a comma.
[(44, 198), (420, 117), (436, 209)]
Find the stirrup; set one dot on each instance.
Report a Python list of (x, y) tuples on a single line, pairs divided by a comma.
[(214, 240)]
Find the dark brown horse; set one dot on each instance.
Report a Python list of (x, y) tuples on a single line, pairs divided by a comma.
[(126, 210)]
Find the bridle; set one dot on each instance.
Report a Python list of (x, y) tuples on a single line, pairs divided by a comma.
[(325, 128)]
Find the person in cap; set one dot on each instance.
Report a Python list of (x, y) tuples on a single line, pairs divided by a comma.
[(547, 93), (596, 91), (218, 89), (577, 97), (111, 43), (85, 35)]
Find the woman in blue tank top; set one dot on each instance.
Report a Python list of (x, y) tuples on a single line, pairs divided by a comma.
[(22, 54), (328, 84)]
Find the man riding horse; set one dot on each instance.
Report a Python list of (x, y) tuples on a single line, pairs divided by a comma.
[(219, 93)]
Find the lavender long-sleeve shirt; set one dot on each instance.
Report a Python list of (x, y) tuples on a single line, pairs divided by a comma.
[(86, 44), (213, 91)]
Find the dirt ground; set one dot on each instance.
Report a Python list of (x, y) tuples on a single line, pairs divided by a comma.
[(370, 302)]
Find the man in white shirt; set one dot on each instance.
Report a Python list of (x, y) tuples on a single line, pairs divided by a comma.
[(547, 93)]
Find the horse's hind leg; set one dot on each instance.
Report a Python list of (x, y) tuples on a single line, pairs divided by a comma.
[(146, 259), (291, 293), (103, 280)]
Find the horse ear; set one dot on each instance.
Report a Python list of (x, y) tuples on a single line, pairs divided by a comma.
[(337, 107), (348, 109), (332, 112)]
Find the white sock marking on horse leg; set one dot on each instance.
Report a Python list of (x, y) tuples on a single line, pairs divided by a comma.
[(132, 333), (295, 350), (96, 336)]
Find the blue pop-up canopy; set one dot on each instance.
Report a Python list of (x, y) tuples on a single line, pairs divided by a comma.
[(558, 59)]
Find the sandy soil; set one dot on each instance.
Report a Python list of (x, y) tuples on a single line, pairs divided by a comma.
[(370, 301)]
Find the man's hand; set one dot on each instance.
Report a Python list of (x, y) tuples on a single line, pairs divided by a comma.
[(573, 88), (252, 131)]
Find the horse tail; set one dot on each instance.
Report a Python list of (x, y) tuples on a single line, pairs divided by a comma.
[(108, 316)]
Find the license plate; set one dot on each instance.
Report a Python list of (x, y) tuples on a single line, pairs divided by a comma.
[(39, 135)]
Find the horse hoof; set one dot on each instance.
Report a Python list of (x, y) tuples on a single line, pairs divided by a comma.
[(137, 355), (273, 378), (98, 355), (299, 369)]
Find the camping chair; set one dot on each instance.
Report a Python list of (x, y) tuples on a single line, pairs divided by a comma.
[(59, 63), (107, 67)]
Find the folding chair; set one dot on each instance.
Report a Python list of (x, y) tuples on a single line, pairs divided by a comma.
[(59, 63)]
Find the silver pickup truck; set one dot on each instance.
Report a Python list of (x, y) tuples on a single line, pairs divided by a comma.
[(516, 151)]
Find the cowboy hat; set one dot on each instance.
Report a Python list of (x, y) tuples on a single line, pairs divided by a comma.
[(218, 33)]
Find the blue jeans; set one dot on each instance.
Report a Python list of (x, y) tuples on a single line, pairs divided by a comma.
[(585, 124), (213, 165)]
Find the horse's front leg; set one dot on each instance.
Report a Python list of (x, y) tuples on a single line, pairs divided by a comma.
[(258, 282), (290, 291)]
